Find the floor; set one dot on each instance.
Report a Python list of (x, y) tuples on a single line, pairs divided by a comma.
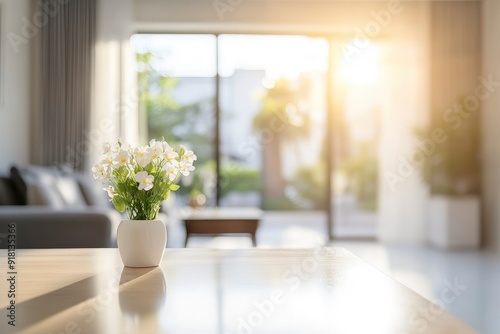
[(427, 271)]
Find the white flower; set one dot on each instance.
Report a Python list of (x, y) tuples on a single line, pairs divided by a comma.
[(188, 155), (122, 146), (166, 146), (121, 159), (145, 180), (155, 149), (116, 147), (171, 156), (185, 168), (142, 156), (100, 171), (172, 171), (108, 160), (106, 147), (111, 191)]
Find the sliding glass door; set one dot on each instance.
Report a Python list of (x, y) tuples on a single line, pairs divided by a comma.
[(257, 110), (355, 135), (272, 108)]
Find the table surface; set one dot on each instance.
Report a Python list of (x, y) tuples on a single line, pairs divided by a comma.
[(325, 290)]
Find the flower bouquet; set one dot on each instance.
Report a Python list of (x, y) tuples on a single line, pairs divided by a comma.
[(138, 180), (141, 178)]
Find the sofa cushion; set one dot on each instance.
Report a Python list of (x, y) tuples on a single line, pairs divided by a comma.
[(70, 192), (48, 186), (41, 185), (33, 185), (8, 193), (91, 189), (19, 184), (39, 194)]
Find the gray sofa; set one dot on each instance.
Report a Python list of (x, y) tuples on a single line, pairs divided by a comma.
[(55, 208)]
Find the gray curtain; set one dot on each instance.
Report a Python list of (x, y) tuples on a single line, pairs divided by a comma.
[(65, 60)]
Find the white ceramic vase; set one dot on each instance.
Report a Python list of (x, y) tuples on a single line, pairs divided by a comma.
[(141, 242)]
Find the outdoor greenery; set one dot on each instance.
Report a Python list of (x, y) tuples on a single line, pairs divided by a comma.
[(284, 98), (284, 204), (163, 117), (361, 172), (309, 183), (240, 180), (280, 113)]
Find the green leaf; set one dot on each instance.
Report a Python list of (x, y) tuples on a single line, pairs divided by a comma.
[(166, 195), (119, 203), (174, 187)]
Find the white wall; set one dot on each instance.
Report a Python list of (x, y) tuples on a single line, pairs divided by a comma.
[(403, 204), (114, 96), (15, 105), (491, 123), (265, 15)]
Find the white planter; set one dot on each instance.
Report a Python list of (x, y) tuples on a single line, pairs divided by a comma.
[(141, 242), (454, 222)]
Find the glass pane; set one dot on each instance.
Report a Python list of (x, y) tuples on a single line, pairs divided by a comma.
[(356, 135), (177, 100), (272, 104)]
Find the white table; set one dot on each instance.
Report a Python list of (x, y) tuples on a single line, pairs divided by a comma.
[(313, 291)]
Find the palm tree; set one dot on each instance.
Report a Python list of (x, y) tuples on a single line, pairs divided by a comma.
[(279, 120)]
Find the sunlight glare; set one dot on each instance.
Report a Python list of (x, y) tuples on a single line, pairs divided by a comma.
[(268, 83), (362, 68), (279, 56), (366, 294)]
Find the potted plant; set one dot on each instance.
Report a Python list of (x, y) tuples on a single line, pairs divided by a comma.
[(451, 170), (138, 180)]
